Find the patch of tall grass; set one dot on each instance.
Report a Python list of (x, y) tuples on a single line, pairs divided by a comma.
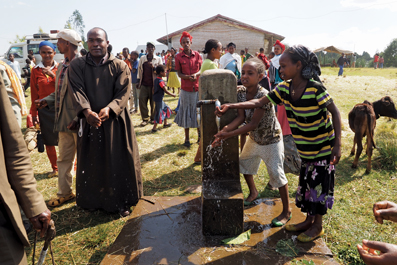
[(386, 143)]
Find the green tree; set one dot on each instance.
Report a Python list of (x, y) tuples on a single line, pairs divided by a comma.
[(390, 54), (18, 39), (76, 22), (68, 25), (366, 56)]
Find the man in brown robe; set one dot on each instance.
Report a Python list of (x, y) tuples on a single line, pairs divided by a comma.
[(108, 168)]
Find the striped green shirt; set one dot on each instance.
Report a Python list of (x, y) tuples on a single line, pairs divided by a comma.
[(310, 122)]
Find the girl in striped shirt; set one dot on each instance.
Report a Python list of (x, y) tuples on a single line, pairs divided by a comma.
[(318, 139)]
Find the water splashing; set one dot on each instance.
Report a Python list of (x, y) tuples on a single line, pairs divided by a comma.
[(214, 153)]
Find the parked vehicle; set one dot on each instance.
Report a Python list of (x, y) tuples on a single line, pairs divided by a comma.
[(21, 50)]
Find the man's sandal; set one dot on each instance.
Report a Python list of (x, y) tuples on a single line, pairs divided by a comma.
[(54, 202), (52, 174)]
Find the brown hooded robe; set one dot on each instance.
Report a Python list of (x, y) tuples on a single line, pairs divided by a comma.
[(108, 167)]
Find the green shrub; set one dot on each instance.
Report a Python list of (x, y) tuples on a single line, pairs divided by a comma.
[(350, 256)]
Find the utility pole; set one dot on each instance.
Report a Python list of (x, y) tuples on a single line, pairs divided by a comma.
[(166, 29)]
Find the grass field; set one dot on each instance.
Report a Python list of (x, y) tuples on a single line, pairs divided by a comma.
[(167, 166)]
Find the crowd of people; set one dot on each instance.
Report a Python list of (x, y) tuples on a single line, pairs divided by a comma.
[(83, 105), (350, 61)]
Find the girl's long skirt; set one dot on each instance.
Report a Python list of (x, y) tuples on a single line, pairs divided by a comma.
[(187, 114), (173, 80), (315, 194), (161, 112)]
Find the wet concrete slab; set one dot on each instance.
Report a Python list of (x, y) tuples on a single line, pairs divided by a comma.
[(222, 208), (169, 232)]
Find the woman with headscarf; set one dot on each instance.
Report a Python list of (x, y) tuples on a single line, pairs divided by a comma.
[(42, 84), (274, 74), (231, 60), (188, 64)]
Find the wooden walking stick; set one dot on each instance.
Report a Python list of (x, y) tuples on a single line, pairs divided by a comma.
[(50, 235)]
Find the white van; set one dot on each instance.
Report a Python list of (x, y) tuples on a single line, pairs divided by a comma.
[(20, 50)]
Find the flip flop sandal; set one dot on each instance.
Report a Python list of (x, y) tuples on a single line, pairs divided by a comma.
[(54, 202), (154, 130), (277, 223), (167, 125), (246, 203), (305, 238)]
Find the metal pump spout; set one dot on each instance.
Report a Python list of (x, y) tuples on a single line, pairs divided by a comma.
[(218, 119), (198, 114)]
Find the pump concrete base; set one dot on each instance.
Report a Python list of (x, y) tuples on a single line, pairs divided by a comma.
[(169, 232), (222, 208)]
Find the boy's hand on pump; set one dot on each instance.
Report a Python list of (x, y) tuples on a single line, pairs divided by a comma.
[(220, 111)]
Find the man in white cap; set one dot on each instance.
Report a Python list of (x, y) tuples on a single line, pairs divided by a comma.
[(65, 117)]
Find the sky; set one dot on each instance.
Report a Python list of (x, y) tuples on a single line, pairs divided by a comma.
[(356, 25)]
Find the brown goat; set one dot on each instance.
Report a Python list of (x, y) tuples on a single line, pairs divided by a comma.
[(362, 121)]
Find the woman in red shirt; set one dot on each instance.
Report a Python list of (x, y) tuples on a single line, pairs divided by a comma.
[(188, 64), (42, 84)]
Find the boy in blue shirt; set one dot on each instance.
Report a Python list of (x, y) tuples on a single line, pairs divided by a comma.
[(161, 111)]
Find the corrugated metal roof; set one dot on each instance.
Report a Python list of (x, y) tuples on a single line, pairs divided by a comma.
[(333, 49), (222, 19)]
